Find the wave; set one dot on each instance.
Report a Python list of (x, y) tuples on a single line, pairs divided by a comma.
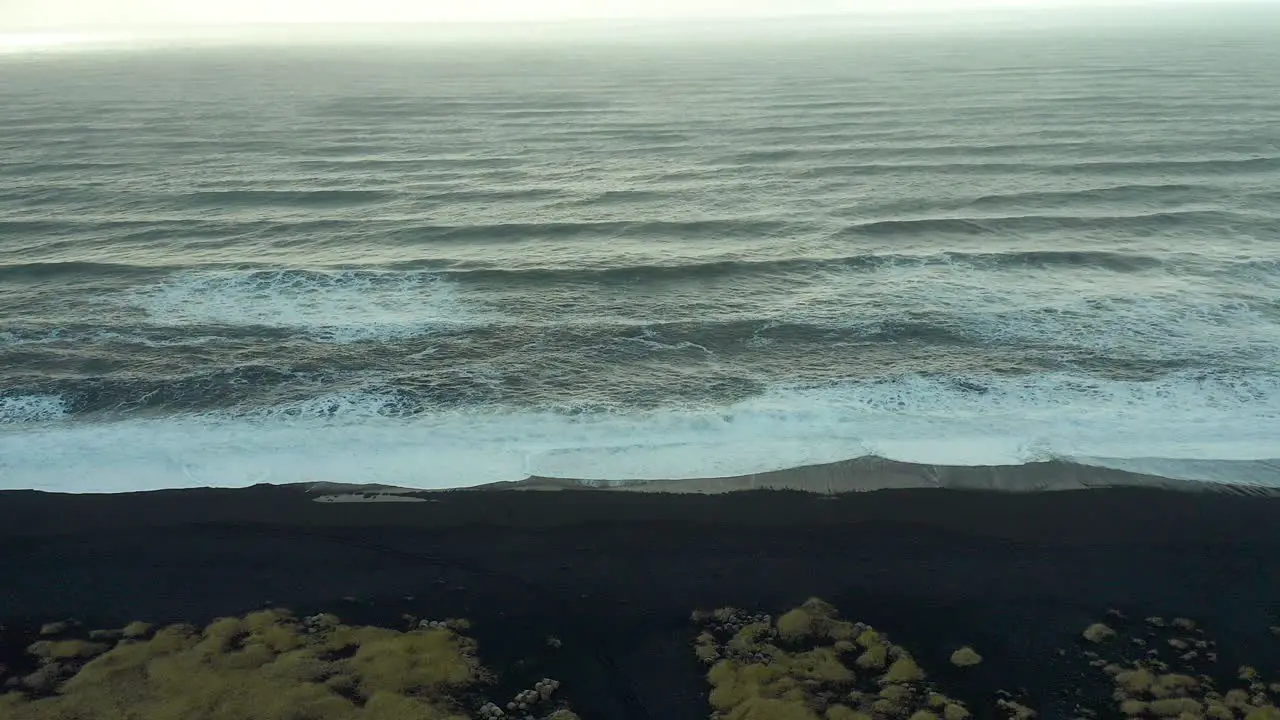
[(1163, 168), (1187, 309), (763, 268), (16, 409), (664, 229), (72, 269), (693, 268), (285, 198), (363, 436), (1128, 194), (337, 306), (1138, 224)]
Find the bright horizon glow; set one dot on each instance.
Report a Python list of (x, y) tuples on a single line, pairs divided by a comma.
[(25, 42), (74, 26), (45, 17)]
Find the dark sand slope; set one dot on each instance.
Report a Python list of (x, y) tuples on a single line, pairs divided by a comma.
[(614, 576), (874, 473)]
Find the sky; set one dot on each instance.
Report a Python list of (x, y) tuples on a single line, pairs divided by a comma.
[(52, 15)]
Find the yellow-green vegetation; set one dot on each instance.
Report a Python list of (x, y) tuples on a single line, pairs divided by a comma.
[(1216, 710), (1098, 632), (796, 667), (735, 682), (749, 638), (56, 650), (814, 617), (965, 657), (264, 666), (795, 625), (706, 649), (1175, 686), (1173, 707), (136, 629), (844, 712), (1133, 708), (766, 709), (873, 658), (903, 670)]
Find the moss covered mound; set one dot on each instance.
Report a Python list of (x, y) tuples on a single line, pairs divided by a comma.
[(811, 664), (267, 665), (1160, 669)]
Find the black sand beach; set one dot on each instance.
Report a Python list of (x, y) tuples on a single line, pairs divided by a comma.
[(596, 588)]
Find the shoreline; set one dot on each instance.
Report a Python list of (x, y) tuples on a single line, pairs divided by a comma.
[(871, 473)]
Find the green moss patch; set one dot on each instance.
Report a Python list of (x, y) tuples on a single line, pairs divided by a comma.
[(266, 665), (1157, 669), (965, 657), (811, 664)]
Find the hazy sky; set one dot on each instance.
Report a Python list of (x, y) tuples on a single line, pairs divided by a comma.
[(63, 14)]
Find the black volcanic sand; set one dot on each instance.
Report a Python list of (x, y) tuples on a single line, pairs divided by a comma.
[(613, 577)]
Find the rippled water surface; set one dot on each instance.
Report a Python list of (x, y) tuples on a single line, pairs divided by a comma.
[(448, 265)]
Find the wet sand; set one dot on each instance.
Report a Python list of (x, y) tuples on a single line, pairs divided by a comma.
[(613, 576)]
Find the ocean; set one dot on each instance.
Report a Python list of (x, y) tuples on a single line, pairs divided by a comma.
[(450, 264)]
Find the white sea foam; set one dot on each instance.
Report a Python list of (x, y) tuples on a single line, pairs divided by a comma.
[(336, 306), (31, 408), (364, 438)]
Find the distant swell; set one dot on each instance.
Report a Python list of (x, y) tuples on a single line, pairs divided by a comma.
[(286, 198), (1113, 261), (1139, 224)]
